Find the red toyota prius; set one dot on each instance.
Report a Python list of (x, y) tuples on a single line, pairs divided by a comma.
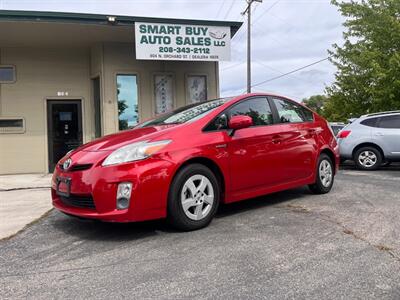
[(183, 164)]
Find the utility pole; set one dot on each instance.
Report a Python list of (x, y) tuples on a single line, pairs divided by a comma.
[(248, 11)]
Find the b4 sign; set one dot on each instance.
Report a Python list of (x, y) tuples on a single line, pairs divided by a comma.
[(157, 41)]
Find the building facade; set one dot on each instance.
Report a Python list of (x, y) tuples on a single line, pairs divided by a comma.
[(66, 79)]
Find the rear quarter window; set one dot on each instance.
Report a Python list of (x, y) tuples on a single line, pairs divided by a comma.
[(372, 122), (308, 115)]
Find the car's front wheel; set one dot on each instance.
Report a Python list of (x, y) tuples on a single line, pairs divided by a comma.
[(325, 175), (193, 198), (368, 158)]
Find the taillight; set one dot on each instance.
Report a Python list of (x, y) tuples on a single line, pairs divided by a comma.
[(344, 134)]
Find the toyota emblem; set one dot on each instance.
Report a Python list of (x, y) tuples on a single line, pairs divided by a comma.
[(67, 164)]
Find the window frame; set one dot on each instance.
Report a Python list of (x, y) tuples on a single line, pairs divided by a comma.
[(14, 74), (235, 104), (278, 121)]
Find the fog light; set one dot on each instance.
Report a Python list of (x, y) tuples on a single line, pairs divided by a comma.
[(124, 195)]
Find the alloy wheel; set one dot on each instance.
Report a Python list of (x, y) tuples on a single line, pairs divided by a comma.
[(197, 197), (367, 159), (325, 173)]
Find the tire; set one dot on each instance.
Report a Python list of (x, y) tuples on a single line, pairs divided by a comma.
[(325, 175), (368, 158), (198, 187)]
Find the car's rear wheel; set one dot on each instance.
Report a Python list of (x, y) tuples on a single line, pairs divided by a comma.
[(368, 158), (325, 175), (193, 198)]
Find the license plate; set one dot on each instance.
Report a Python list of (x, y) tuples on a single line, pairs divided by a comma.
[(63, 186)]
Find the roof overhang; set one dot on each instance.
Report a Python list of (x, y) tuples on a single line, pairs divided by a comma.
[(98, 19), (55, 29)]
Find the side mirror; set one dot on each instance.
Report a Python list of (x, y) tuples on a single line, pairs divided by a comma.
[(240, 122)]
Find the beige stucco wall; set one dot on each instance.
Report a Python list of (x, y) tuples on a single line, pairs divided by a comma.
[(43, 72)]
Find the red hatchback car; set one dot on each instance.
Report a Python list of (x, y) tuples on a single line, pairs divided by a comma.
[(182, 164)]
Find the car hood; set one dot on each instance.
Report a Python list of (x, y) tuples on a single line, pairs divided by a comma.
[(117, 140)]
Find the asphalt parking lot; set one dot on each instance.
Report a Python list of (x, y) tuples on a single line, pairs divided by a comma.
[(343, 245)]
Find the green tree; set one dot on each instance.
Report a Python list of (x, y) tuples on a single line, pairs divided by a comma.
[(123, 124), (122, 106), (316, 103), (368, 63)]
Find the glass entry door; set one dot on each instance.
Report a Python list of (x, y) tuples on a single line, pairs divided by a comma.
[(64, 128)]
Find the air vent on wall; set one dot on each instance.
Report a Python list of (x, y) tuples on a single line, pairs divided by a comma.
[(12, 125)]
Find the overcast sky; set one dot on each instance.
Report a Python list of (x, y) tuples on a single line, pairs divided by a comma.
[(287, 34)]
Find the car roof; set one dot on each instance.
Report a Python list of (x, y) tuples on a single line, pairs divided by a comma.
[(233, 99), (246, 95), (393, 112)]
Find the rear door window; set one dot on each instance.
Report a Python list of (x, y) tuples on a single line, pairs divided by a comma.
[(390, 122), (290, 112), (372, 122)]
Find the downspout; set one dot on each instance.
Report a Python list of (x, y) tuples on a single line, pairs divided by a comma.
[(217, 79), (103, 101), (0, 87)]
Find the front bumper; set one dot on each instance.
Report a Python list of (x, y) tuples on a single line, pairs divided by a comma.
[(150, 179)]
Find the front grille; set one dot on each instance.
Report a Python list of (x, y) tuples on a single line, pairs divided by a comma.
[(78, 201), (81, 167)]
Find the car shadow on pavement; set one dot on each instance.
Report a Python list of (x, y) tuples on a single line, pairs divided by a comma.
[(262, 201), (103, 231), (349, 165), (120, 232)]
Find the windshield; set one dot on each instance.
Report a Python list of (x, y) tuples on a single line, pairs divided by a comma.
[(185, 114)]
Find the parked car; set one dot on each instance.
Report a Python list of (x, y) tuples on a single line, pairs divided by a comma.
[(336, 127), (183, 164), (371, 140)]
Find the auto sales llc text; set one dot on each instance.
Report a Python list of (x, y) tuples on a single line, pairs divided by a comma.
[(183, 35)]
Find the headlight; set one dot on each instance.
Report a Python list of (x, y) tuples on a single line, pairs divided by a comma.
[(135, 151)]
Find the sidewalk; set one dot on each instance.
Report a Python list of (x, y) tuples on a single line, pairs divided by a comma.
[(23, 199)]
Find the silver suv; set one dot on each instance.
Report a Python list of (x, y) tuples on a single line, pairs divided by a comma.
[(371, 140)]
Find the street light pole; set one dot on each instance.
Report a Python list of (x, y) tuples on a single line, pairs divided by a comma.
[(248, 11)]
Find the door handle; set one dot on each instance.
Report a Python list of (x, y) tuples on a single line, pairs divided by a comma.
[(221, 146), (312, 131), (379, 133), (276, 139)]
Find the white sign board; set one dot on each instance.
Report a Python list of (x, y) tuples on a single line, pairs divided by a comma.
[(157, 41)]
